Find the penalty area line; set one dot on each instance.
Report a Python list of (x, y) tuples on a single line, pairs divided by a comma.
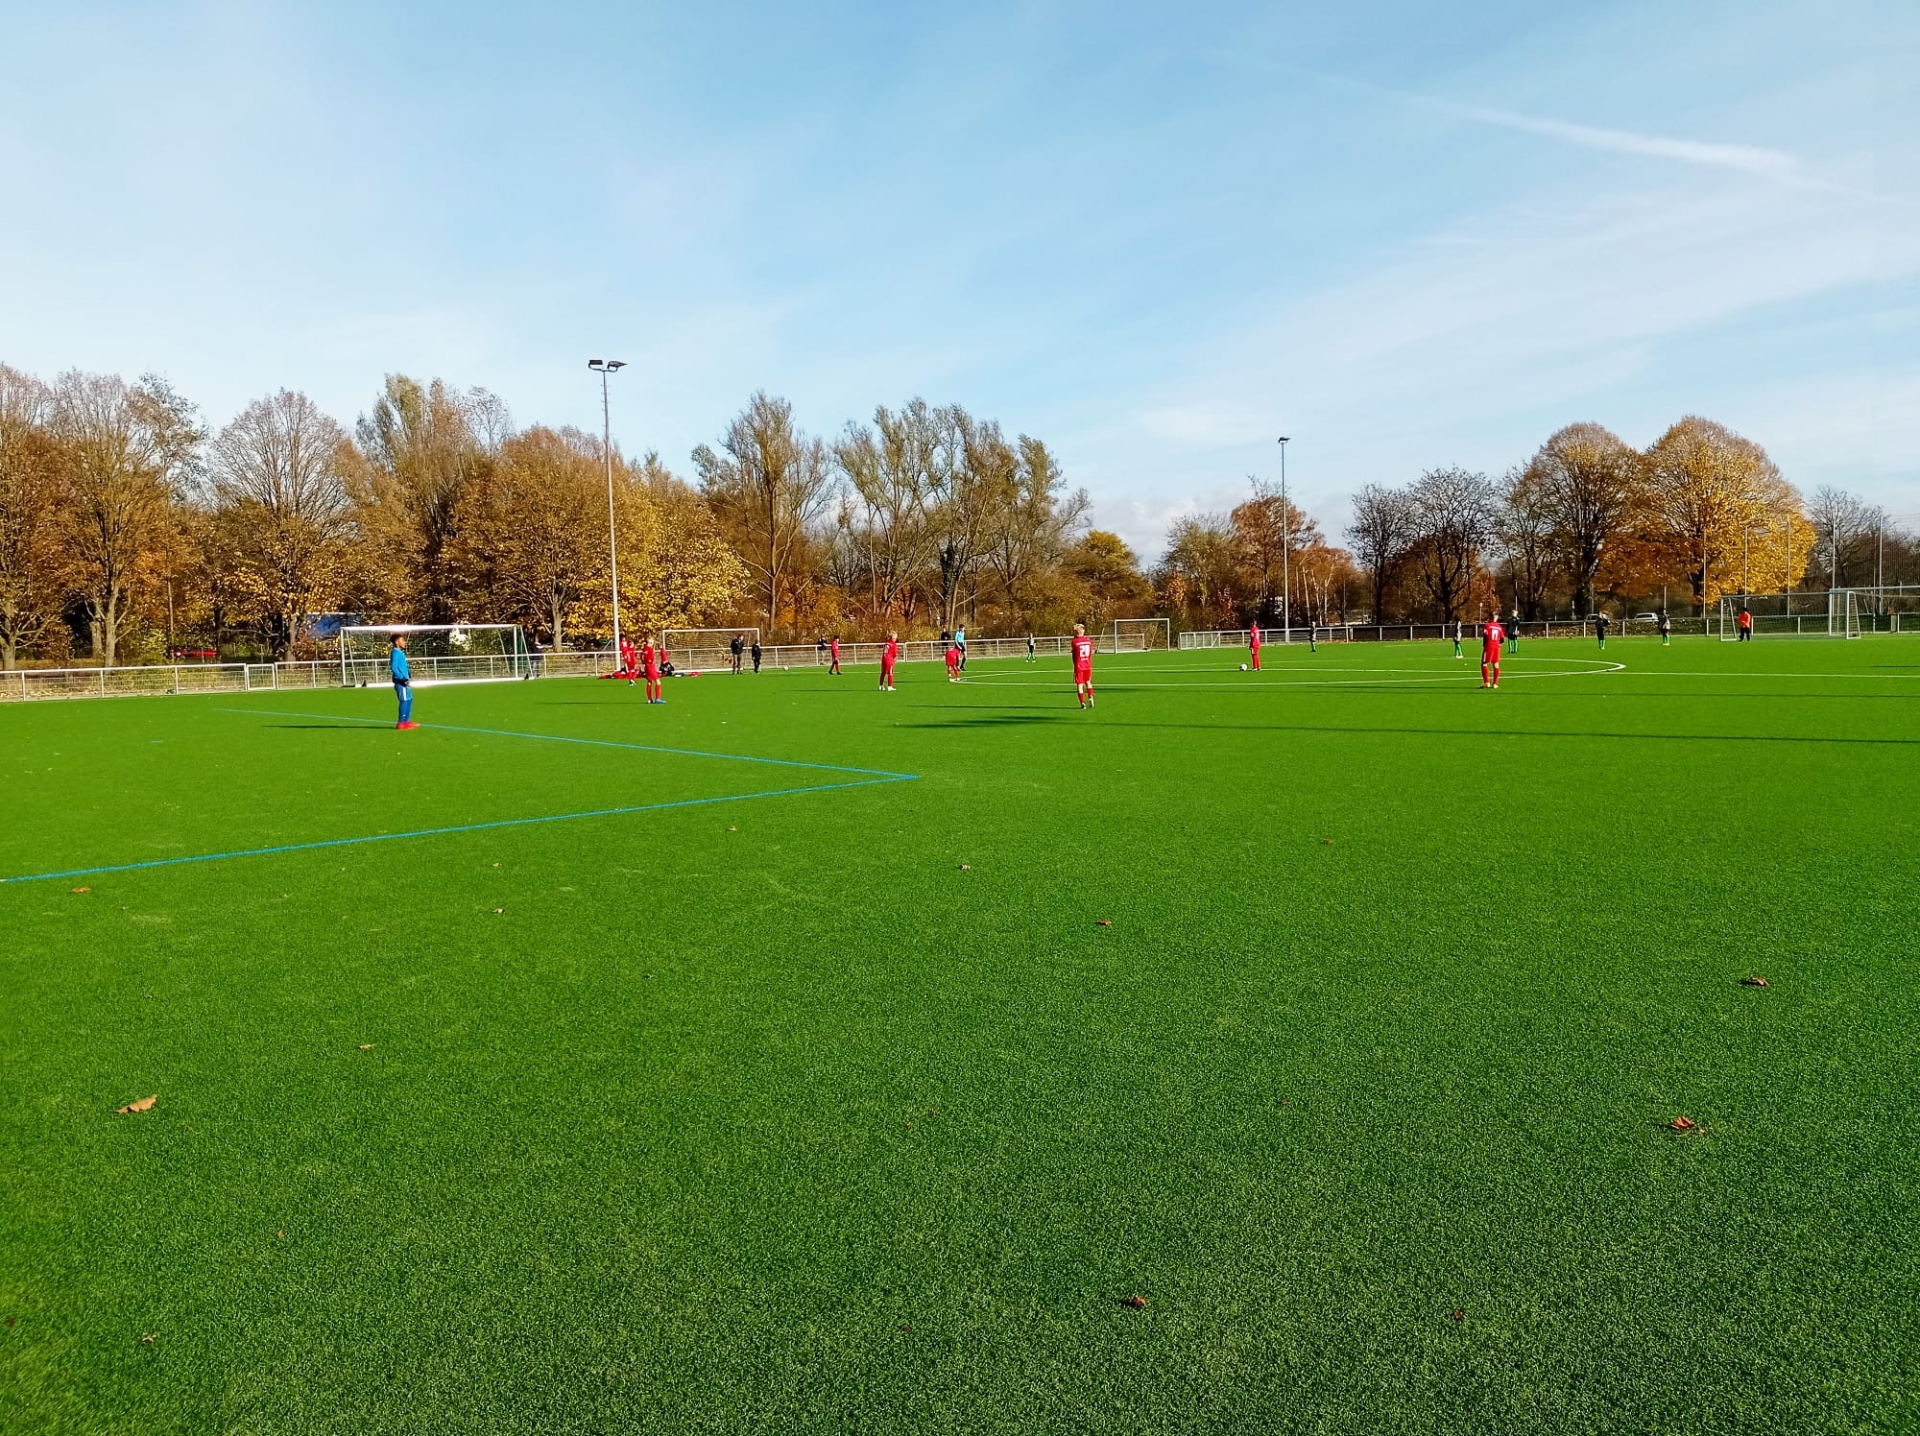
[(455, 828)]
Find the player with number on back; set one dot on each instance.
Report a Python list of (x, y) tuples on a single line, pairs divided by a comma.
[(1083, 665), (1253, 643), (1492, 635), (888, 657)]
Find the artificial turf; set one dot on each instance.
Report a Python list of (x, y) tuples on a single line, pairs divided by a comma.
[(843, 1110)]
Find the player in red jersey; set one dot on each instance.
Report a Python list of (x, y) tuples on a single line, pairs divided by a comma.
[(1492, 635), (833, 653), (888, 657), (953, 661), (1253, 643), (629, 662), (650, 666), (1082, 665)]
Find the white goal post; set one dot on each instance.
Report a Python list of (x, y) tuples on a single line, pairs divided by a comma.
[(436, 652), (691, 648), (1833, 614), (1140, 635)]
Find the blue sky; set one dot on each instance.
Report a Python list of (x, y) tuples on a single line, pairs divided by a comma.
[(1406, 235)]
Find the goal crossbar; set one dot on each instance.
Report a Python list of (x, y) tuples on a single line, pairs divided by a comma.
[(436, 652)]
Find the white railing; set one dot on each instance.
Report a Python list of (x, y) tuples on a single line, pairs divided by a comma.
[(1408, 632), (37, 683)]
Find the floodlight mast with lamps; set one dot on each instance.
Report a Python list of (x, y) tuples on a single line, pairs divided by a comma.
[(1286, 552), (604, 367)]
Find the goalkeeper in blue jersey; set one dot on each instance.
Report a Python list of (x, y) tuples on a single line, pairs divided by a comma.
[(402, 680)]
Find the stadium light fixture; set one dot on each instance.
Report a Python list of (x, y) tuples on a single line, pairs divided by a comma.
[(604, 367)]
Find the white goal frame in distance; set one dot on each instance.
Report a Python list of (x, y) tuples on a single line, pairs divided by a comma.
[(499, 654), (704, 640), (1841, 620), (1145, 629)]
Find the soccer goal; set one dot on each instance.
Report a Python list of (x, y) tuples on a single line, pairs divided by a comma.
[(1834, 614), (1140, 635), (436, 652), (691, 648)]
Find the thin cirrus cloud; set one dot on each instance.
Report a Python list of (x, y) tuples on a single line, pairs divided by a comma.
[(1747, 159)]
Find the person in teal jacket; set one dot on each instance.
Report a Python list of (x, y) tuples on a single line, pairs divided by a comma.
[(402, 680)]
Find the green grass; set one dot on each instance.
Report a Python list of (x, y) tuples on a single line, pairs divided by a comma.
[(839, 1111)]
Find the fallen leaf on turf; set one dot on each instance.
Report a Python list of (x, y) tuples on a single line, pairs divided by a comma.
[(149, 1336), (1326, 842), (1103, 922), (1459, 1316), (366, 1047), (499, 909), (143, 1105), (496, 865), (905, 1327), (733, 830), (83, 890), (1753, 982), (966, 867), (1684, 1124), (1136, 1302), (281, 1235)]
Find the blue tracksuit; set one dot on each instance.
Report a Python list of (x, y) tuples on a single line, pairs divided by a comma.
[(402, 682)]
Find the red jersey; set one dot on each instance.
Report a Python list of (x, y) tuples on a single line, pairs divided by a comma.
[(650, 661), (1253, 638), (892, 652), (1746, 619), (1082, 652), (834, 648), (1492, 635), (953, 660)]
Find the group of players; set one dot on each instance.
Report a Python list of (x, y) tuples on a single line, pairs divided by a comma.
[(1493, 634)]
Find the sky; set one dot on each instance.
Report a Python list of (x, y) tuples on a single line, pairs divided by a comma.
[(1157, 237)]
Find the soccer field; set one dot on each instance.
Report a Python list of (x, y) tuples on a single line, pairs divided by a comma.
[(798, 1057)]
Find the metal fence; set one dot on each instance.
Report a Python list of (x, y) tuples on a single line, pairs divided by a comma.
[(36, 683), (1445, 632)]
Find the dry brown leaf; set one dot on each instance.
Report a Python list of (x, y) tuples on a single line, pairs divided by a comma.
[(1326, 842), (966, 867), (1753, 982), (366, 1047), (1103, 922), (1459, 1316), (143, 1105), (149, 1336), (1136, 1302), (499, 909), (1684, 1124), (281, 1235), (733, 830), (83, 890)]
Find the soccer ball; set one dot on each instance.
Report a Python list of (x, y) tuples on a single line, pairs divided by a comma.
[(1243, 668)]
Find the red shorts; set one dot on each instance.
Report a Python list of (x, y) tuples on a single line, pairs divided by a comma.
[(1490, 655), (1082, 673)]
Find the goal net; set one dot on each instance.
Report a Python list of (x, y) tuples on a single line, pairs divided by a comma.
[(1834, 614), (1140, 635), (703, 648), (436, 652)]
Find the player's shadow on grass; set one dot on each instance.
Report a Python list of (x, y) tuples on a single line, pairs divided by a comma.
[(995, 720), (331, 727), (1504, 733)]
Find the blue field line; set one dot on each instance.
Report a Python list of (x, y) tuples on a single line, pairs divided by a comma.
[(460, 828), (589, 742)]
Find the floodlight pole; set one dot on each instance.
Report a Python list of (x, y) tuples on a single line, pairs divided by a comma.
[(1286, 553), (604, 367)]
